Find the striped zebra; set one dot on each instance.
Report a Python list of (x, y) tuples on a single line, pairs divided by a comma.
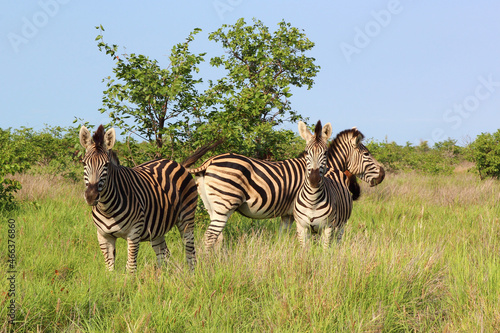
[(324, 203), (263, 189), (137, 204)]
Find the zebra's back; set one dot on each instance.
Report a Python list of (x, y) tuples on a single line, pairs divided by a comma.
[(255, 188)]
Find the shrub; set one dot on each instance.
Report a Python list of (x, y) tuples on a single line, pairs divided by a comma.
[(13, 159), (439, 159), (485, 153)]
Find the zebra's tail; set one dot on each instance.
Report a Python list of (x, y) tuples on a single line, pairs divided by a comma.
[(354, 187), (201, 168), (199, 153)]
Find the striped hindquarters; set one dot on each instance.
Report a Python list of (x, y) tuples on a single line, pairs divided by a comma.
[(255, 188)]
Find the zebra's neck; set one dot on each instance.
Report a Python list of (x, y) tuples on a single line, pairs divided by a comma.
[(337, 155), (314, 193), (111, 197)]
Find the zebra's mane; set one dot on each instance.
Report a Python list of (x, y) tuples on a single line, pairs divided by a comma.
[(354, 187), (317, 131), (353, 132), (98, 136), (113, 157)]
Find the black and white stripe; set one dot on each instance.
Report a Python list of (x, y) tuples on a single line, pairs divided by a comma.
[(137, 204), (264, 189), (347, 153), (324, 203)]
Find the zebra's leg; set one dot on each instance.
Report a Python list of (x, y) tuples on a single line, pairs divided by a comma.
[(161, 250), (286, 224), (339, 232), (217, 223), (200, 182), (133, 249), (186, 229), (218, 242), (302, 235), (107, 245), (326, 236)]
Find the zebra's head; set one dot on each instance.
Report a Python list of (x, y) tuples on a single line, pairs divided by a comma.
[(97, 157), (348, 148), (316, 151)]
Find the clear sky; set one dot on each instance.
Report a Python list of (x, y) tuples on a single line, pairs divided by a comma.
[(403, 70)]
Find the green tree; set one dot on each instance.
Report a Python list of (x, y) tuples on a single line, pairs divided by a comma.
[(485, 153), (14, 158), (449, 147), (253, 98), (161, 101), (243, 107)]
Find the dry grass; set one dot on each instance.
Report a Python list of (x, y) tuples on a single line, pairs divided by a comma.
[(462, 189), (36, 187), (464, 167)]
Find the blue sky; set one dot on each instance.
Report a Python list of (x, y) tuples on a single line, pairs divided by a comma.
[(403, 70)]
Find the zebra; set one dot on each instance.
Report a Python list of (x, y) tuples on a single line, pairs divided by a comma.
[(265, 189), (137, 204), (324, 203)]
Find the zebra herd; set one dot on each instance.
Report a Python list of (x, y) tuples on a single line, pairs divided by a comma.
[(143, 203)]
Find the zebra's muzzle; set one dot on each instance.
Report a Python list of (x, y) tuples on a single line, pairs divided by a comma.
[(380, 178), (314, 178), (92, 195)]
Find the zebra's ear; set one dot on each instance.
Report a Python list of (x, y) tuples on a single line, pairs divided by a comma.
[(327, 131), (304, 131), (357, 138), (85, 137), (109, 138)]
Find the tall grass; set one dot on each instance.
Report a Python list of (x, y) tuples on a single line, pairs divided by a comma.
[(420, 253)]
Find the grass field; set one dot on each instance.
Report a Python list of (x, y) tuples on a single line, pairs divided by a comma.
[(420, 253)]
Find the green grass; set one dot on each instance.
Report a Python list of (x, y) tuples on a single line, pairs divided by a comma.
[(420, 253)]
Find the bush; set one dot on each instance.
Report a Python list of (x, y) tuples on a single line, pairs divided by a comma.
[(13, 158), (52, 151), (440, 159), (55, 150), (485, 153)]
